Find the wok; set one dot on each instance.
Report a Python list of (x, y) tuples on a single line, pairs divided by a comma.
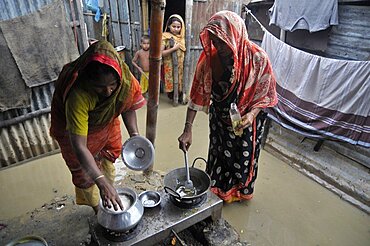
[(177, 177)]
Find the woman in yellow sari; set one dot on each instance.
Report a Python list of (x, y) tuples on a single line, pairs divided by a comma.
[(175, 29), (90, 93)]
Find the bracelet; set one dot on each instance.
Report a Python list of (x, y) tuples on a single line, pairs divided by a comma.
[(188, 123), (99, 177), (134, 134)]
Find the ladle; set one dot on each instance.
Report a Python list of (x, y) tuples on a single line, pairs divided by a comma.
[(188, 183)]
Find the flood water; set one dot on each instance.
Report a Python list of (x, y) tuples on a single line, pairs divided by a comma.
[(288, 209)]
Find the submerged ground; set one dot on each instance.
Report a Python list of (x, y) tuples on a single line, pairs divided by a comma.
[(288, 208)]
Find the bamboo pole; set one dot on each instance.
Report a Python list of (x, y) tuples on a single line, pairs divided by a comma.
[(187, 80), (175, 74), (145, 16), (155, 58)]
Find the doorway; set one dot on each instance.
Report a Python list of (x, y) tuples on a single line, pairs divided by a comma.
[(174, 7)]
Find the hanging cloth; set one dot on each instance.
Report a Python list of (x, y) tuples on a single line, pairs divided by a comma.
[(320, 96), (312, 15)]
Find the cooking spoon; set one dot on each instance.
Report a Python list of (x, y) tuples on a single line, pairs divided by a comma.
[(188, 183)]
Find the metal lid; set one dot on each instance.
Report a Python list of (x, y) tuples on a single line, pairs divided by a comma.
[(120, 48), (138, 153)]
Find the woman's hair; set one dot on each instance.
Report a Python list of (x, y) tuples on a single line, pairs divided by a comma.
[(172, 19), (96, 70)]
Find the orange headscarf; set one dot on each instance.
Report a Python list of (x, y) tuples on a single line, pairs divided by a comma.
[(127, 96), (252, 72), (180, 39), (104, 135)]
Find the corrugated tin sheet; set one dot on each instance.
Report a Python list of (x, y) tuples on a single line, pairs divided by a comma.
[(24, 133), (29, 136), (13, 8), (351, 38), (124, 17)]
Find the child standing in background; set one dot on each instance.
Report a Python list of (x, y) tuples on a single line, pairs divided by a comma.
[(175, 29), (141, 62)]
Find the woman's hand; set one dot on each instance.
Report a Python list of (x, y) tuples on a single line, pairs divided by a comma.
[(109, 194), (247, 120), (176, 46), (185, 139)]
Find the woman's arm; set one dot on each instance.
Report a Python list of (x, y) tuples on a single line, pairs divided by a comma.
[(185, 139), (130, 120), (107, 191), (166, 52)]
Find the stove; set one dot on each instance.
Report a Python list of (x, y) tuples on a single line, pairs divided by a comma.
[(157, 223), (119, 236), (191, 203)]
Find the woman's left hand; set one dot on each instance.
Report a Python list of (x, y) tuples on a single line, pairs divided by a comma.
[(246, 121)]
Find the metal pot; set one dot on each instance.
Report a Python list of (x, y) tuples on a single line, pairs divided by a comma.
[(177, 177), (122, 220)]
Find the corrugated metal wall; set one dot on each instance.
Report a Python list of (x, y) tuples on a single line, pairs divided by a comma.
[(24, 133), (350, 40), (124, 17)]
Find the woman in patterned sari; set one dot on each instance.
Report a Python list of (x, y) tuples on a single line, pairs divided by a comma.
[(175, 30), (231, 69), (90, 93)]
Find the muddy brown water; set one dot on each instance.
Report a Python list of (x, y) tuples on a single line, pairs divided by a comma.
[(288, 208)]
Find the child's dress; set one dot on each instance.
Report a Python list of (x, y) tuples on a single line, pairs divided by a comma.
[(167, 60), (144, 82)]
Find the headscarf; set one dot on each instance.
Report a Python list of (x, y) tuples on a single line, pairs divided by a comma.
[(252, 72), (127, 96), (180, 39), (104, 135)]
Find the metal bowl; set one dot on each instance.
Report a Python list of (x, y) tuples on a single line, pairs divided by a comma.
[(138, 153), (32, 240), (150, 199)]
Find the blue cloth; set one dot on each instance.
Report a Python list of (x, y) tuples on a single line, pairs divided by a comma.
[(93, 5)]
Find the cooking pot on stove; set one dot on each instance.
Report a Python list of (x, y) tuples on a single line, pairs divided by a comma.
[(122, 220), (177, 177)]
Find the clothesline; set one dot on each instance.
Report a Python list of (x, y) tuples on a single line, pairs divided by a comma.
[(248, 11)]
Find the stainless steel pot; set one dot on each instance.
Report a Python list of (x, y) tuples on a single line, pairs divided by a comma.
[(177, 177), (122, 220)]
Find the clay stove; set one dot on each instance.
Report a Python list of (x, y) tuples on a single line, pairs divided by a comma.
[(158, 223)]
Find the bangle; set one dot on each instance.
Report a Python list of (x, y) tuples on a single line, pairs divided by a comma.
[(99, 177), (189, 123), (134, 134)]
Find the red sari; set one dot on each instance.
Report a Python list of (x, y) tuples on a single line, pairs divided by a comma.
[(232, 160), (104, 134)]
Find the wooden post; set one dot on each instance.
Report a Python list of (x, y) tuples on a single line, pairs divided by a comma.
[(145, 16), (155, 58), (175, 74), (186, 77)]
